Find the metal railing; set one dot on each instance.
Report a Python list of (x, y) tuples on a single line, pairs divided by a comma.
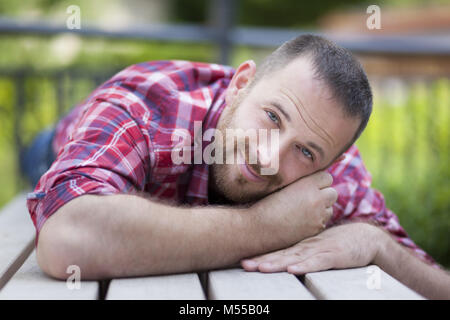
[(225, 34)]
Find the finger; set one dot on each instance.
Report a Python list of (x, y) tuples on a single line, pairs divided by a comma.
[(252, 264), (330, 195), (323, 179), (284, 258), (278, 265), (315, 263), (249, 265), (327, 217)]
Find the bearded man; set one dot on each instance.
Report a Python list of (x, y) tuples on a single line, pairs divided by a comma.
[(115, 203)]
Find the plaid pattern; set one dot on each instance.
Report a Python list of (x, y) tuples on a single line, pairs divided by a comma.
[(119, 141)]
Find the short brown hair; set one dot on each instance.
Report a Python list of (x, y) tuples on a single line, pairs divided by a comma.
[(334, 65)]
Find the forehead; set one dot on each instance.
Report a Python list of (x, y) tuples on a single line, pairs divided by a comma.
[(299, 77), (298, 87)]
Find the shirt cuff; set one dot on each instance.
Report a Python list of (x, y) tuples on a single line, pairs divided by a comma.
[(43, 204)]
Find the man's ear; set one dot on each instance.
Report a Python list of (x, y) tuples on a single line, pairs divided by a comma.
[(241, 79)]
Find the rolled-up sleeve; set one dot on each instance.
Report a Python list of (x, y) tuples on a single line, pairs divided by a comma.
[(358, 201), (106, 153)]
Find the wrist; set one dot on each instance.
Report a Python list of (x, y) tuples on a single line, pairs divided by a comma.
[(264, 230), (383, 241)]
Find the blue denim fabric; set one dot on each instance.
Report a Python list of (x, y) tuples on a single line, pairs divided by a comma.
[(37, 158)]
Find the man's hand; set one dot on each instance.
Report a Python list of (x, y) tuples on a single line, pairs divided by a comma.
[(344, 246), (297, 211)]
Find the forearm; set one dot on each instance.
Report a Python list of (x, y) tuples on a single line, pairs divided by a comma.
[(428, 281), (125, 235)]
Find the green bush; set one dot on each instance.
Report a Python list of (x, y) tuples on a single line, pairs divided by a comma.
[(94, 58), (405, 147)]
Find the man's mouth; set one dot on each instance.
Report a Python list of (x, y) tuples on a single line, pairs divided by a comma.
[(247, 171)]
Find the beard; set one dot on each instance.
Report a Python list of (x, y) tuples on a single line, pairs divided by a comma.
[(226, 183)]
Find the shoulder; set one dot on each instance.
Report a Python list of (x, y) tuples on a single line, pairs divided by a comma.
[(174, 74), (159, 86)]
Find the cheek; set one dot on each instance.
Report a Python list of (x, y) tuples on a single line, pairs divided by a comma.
[(293, 169)]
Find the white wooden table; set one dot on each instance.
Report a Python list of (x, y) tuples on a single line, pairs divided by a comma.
[(21, 278)]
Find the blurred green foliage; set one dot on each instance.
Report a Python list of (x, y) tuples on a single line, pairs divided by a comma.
[(406, 149), (94, 58), (281, 13), (268, 13)]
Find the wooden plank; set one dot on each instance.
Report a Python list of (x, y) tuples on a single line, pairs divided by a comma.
[(16, 237), (238, 284), (30, 283), (168, 287), (358, 284)]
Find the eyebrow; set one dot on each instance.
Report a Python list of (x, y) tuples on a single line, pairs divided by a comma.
[(281, 109), (286, 115)]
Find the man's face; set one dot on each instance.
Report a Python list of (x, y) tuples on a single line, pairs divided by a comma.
[(312, 130)]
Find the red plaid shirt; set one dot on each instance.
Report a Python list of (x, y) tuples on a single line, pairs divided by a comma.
[(120, 140)]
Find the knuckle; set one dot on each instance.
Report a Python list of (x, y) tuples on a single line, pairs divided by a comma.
[(328, 212), (333, 195), (323, 179), (320, 226), (321, 175), (334, 192), (329, 195)]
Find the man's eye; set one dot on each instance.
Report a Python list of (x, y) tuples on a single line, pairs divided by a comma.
[(272, 117), (306, 152)]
